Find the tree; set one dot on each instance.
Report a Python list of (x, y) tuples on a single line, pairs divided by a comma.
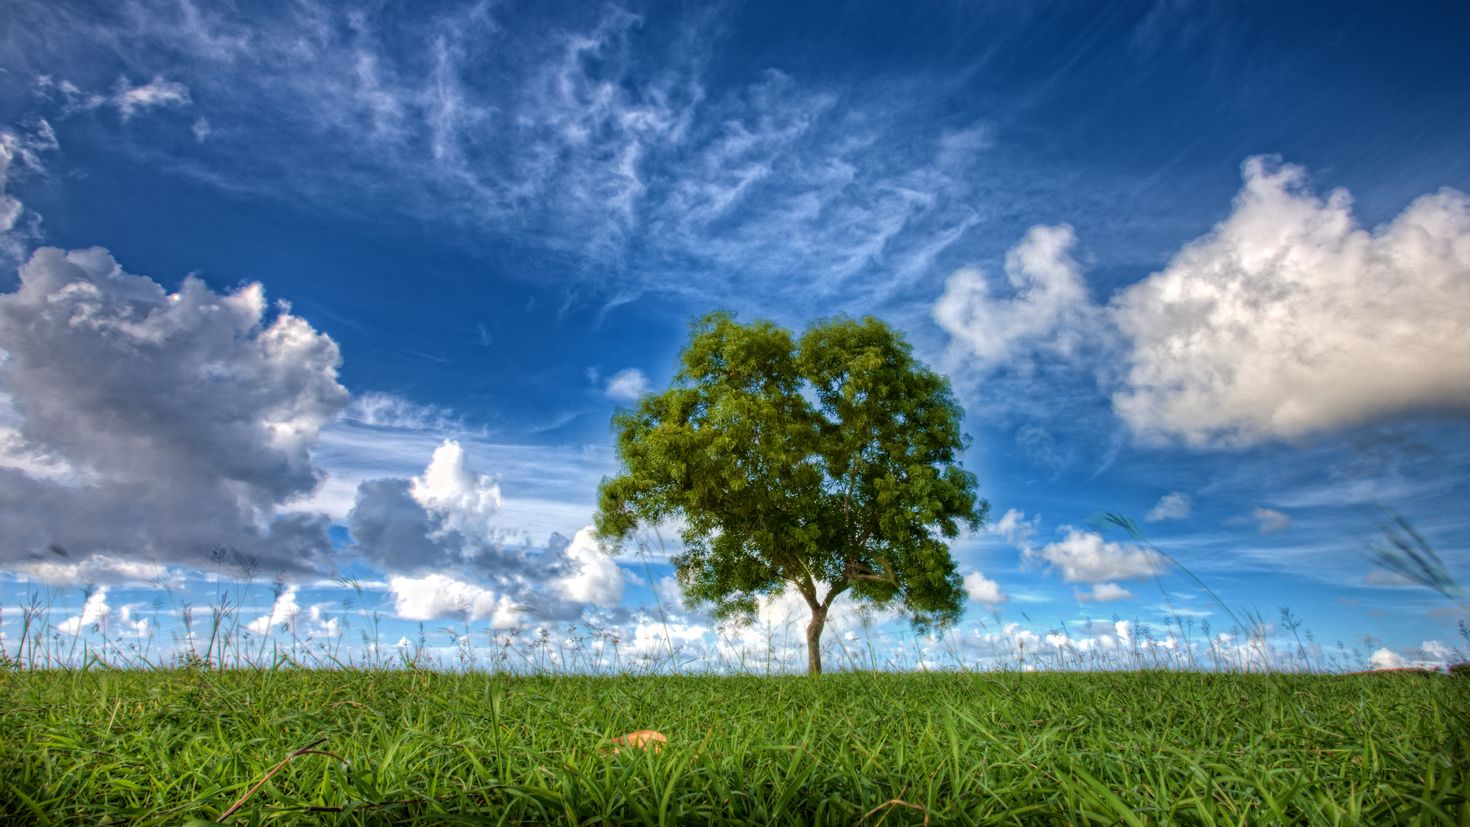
[(830, 462)]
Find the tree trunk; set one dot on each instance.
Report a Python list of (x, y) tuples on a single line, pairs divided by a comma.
[(814, 640)]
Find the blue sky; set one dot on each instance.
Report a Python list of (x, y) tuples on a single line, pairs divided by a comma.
[(355, 290)]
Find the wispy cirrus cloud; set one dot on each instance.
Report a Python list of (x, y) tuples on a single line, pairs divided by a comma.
[(21, 153), (1269, 520), (601, 135), (126, 97)]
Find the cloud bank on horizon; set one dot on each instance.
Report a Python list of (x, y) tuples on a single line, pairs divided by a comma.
[(622, 169)]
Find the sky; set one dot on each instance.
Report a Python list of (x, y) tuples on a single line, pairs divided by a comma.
[(300, 295)]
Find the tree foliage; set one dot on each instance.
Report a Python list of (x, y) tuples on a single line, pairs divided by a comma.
[(826, 462)]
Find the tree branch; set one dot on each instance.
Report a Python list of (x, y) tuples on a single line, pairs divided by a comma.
[(791, 565), (807, 589), (855, 571), (837, 588)]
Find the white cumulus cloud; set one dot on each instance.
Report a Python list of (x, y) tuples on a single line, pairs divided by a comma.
[(1289, 318), (94, 610), (983, 590), (1386, 658), (130, 624), (438, 596), (1014, 527), (1171, 506), (464, 501), (1048, 310), (595, 577), (285, 612), (168, 424), (1436, 649), (627, 385), (1084, 557), (1103, 593)]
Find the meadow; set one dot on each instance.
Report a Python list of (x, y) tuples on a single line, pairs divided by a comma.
[(1178, 724), (401, 746)]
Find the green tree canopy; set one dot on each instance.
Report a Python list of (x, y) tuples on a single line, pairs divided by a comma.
[(829, 463)]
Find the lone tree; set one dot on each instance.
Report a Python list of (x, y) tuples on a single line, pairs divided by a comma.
[(830, 462)]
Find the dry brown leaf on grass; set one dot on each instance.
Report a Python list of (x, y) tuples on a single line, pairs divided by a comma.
[(640, 739)]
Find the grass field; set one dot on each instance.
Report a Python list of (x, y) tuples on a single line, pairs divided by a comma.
[(168, 747)]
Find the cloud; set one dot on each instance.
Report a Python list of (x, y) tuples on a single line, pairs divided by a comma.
[(656, 638), (614, 140), (1171, 506), (464, 502), (174, 423), (1049, 309), (94, 610), (126, 97), (395, 533), (438, 596), (1043, 449), (323, 626), (158, 92), (957, 145), (10, 206), (352, 453), (385, 410), (1436, 650), (1388, 579), (1386, 658), (669, 594), (1269, 520), (129, 624), (1015, 528), (1083, 557), (627, 385), (99, 568), (20, 152), (285, 612), (444, 522), (1099, 644), (1286, 319), (1104, 593), (594, 577), (985, 591), (444, 516), (1289, 318)]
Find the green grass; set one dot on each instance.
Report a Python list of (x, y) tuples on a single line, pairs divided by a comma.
[(166, 747)]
